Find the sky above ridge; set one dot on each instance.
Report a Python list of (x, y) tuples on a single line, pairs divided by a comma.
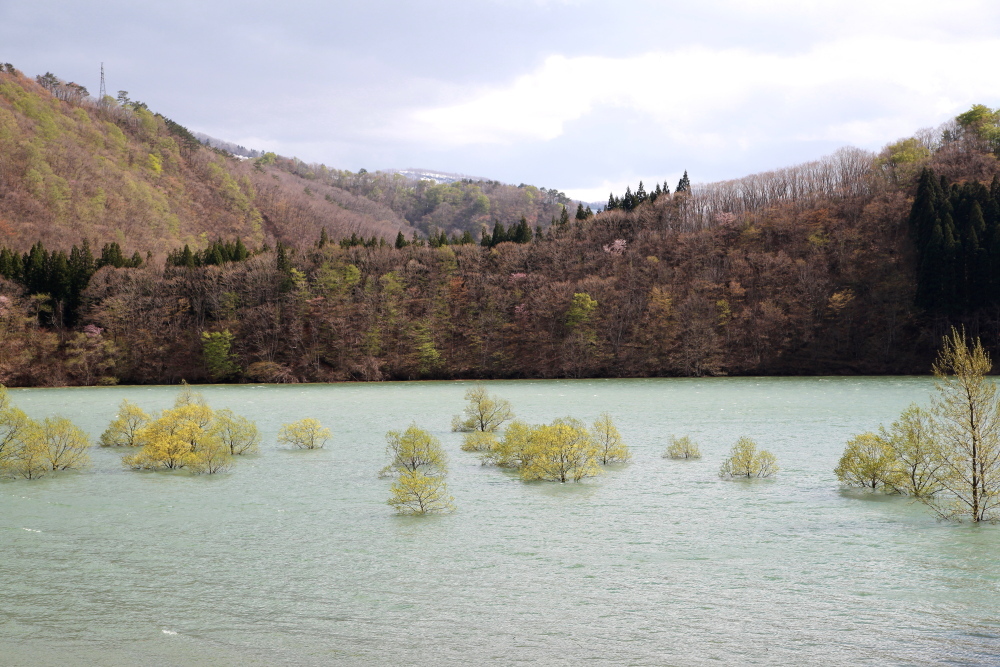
[(581, 96)]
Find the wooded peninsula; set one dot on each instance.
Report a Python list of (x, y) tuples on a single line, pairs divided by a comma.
[(131, 252)]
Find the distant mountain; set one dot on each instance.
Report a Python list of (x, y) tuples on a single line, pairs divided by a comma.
[(228, 146), (436, 176)]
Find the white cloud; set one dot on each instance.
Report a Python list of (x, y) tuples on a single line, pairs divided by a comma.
[(861, 89)]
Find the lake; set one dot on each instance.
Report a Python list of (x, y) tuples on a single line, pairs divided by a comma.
[(293, 557)]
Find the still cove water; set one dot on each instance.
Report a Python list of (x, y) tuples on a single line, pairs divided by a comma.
[(293, 558)]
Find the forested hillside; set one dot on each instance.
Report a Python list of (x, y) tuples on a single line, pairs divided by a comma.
[(453, 208), (856, 263), (73, 169)]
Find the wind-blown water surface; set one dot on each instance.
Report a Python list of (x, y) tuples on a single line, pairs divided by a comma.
[(293, 558)]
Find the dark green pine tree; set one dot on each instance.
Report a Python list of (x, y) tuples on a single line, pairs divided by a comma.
[(186, 258), (240, 252), (640, 194), (612, 202), (36, 269), (10, 265), (499, 234), (924, 212), (281, 261), (666, 188), (684, 185), (580, 213), (522, 233), (81, 268), (564, 217), (59, 278), (951, 279), (400, 240), (323, 239), (628, 199), (466, 238), (929, 268)]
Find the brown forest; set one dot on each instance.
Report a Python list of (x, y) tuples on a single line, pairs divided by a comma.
[(807, 270)]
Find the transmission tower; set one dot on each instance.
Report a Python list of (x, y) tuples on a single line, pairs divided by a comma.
[(104, 91)]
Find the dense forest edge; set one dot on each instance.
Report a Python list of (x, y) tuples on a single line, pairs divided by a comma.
[(130, 252)]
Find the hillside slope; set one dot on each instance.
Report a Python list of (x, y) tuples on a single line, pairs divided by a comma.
[(74, 169)]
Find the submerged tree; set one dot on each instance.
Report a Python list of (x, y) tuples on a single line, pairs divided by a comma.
[(966, 432), (414, 449), (916, 459), (31, 449), (610, 446), (484, 411), (190, 436), (420, 465), (414, 492), (305, 434), (868, 461), (122, 430), (682, 448), (562, 451), (746, 461)]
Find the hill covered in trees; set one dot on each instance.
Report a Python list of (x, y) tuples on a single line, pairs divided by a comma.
[(73, 168), (856, 263)]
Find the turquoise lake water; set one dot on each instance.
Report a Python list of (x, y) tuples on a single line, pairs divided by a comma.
[(293, 558)]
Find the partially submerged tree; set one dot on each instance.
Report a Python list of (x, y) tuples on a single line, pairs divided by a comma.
[(562, 451), (305, 434), (121, 432), (479, 441), (238, 433), (682, 448), (483, 413), (414, 449), (868, 461), (31, 449), (966, 432), (191, 436), (420, 465), (610, 446), (917, 462), (745, 460), (413, 492)]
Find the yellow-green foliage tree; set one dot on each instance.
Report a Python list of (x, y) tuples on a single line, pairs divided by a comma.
[(122, 430), (305, 434), (66, 445), (479, 441), (180, 438), (682, 448), (745, 460), (562, 451), (967, 433), (947, 457), (238, 433), (917, 461), (414, 492), (29, 449), (420, 465), (483, 413), (610, 446), (190, 435), (512, 450), (414, 449), (868, 461)]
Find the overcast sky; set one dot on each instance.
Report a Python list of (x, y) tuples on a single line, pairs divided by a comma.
[(582, 96)]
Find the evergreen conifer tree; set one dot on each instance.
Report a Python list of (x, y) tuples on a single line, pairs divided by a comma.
[(684, 185)]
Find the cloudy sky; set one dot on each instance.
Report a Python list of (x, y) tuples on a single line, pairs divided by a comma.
[(578, 95)]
